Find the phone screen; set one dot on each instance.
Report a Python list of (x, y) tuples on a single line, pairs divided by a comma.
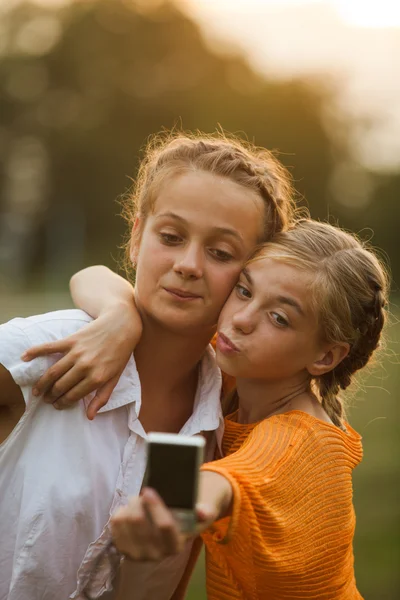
[(172, 472)]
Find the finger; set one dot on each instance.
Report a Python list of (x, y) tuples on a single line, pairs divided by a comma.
[(64, 384), (147, 535), (141, 528), (45, 349), (132, 531), (53, 374), (206, 515), (164, 522), (101, 398), (79, 391), (123, 539)]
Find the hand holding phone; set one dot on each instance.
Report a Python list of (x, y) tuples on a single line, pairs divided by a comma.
[(156, 523), (173, 463)]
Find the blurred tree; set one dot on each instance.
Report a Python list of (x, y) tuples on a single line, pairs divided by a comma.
[(84, 86)]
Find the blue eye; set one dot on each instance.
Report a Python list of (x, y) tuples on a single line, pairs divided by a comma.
[(242, 291)]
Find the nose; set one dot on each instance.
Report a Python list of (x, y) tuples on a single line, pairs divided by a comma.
[(244, 320), (189, 264)]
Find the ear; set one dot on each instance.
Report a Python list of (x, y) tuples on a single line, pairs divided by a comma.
[(135, 242), (328, 359)]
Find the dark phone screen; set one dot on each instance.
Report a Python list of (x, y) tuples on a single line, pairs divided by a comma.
[(172, 471)]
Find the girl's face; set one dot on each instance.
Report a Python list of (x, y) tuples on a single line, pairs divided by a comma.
[(192, 249), (267, 329)]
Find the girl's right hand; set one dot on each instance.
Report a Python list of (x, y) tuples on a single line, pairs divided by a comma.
[(146, 529), (94, 359)]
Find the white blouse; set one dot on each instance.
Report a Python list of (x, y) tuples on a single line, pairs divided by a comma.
[(62, 476)]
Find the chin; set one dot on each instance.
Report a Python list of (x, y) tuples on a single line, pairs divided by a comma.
[(226, 365), (233, 368), (183, 324)]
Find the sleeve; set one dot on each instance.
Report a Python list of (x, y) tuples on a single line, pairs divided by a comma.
[(14, 340), (252, 472)]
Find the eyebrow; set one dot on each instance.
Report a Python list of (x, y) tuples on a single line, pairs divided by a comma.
[(219, 230), (291, 302), (282, 299), (246, 273)]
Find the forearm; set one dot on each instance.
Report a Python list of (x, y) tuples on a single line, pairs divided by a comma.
[(97, 290)]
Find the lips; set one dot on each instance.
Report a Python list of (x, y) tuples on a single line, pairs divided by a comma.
[(225, 345), (184, 294)]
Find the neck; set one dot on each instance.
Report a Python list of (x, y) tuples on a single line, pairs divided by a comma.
[(259, 399), (167, 358)]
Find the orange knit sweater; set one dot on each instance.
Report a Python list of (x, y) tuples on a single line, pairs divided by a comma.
[(291, 531)]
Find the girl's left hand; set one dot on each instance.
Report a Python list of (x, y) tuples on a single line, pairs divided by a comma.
[(94, 359), (146, 529)]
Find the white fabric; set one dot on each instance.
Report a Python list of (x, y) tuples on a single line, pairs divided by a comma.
[(62, 476)]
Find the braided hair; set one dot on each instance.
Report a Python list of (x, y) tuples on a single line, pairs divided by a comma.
[(169, 154), (349, 296), (368, 325)]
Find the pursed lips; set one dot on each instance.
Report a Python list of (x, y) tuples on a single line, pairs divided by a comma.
[(227, 342)]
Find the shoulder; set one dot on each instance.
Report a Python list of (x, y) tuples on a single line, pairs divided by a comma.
[(293, 439), (293, 435), (51, 325), (19, 334), (278, 431), (301, 435)]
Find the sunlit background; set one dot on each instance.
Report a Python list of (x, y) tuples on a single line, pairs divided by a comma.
[(82, 86)]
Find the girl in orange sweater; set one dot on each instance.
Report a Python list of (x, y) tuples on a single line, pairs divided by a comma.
[(276, 510)]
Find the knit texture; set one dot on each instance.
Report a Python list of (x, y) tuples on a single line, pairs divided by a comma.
[(290, 535)]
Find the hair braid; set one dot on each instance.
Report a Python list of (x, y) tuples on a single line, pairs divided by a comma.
[(329, 389), (369, 331), (171, 153)]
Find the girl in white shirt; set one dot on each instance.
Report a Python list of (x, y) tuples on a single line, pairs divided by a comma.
[(61, 475)]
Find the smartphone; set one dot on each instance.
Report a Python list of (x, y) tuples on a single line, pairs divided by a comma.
[(173, 463)]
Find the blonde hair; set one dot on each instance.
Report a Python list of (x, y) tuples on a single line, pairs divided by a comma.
[(172, 153), (349, 295)]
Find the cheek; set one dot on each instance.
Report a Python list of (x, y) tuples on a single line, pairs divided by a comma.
[(228, 311), (281, 353), (152, 258), (222, 282)]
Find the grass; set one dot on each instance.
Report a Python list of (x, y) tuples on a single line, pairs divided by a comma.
[(376, 416)]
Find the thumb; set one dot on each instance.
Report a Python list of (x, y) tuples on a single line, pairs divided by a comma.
[(205, 513)]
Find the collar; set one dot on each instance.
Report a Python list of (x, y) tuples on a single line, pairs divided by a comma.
[(127, 390), (207, 411)]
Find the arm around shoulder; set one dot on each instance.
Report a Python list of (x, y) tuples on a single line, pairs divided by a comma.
[(98, 290)]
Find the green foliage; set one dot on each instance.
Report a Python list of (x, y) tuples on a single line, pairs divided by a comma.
[(115, 75)]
